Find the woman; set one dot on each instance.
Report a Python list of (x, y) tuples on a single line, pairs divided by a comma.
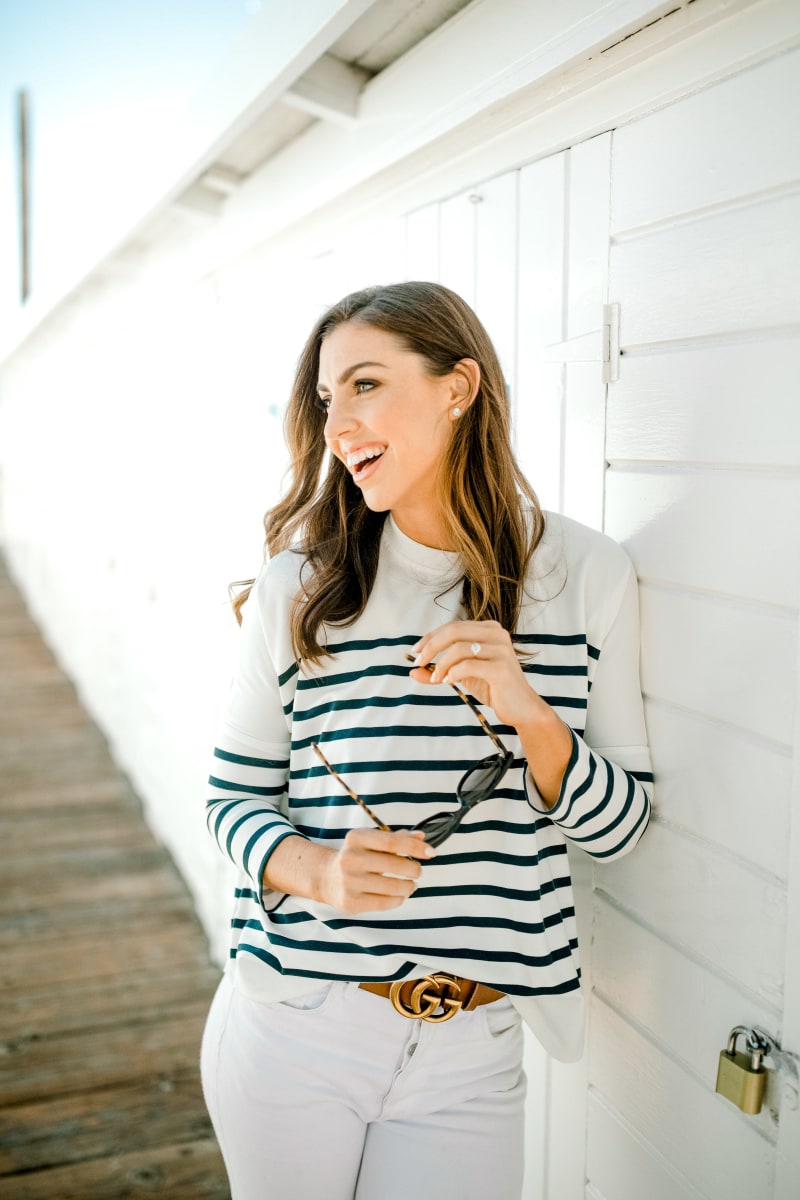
[(404, 897)]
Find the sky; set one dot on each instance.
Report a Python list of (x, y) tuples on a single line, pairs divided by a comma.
[(108, 85)]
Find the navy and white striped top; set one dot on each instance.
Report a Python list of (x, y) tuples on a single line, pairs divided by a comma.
[(496, 903)]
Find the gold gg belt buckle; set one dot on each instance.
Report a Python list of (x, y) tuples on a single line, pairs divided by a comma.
[(427, 995)]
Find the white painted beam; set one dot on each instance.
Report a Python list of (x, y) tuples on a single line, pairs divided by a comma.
[(281, 44), (198, 201), (329, 89), (221, 179)]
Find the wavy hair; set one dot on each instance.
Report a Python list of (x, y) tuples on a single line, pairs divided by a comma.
[(482, 491)]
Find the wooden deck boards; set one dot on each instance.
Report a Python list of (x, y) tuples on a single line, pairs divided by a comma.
[(104, 968)]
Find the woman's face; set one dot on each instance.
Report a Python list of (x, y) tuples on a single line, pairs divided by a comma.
[(389, 421)]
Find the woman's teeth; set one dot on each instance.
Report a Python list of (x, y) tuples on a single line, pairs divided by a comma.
[(358, 461)]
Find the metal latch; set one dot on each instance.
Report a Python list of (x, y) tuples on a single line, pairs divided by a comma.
[(601, 345)]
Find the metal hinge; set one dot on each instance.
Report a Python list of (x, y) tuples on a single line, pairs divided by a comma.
[(601, 345)]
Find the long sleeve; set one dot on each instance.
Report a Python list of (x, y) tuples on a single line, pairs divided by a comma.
[(250, 766), (604, 805)]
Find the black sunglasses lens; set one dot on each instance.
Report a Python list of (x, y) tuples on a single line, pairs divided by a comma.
[(440, 826), (481, 780), (478, 784)]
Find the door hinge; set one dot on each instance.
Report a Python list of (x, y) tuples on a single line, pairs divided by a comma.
[(600, 345)]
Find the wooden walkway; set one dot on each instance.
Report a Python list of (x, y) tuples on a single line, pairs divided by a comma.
[(104, 972)]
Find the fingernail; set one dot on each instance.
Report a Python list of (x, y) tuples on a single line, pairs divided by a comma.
[(414, 649), (446, 679), (417, 657), (430, 852)]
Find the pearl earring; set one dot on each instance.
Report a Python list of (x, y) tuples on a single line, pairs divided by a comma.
[(456, 412)]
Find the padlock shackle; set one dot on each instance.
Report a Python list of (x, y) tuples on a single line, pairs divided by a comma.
[(753, 1045)]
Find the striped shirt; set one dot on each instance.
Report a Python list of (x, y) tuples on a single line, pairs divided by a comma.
[(496, 904)]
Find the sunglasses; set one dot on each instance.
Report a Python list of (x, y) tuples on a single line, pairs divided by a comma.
[(476, 784)]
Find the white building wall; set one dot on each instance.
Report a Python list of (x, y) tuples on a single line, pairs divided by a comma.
[(141, 441), (703, 486)]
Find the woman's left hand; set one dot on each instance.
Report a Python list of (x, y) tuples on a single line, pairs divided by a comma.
[(479, 656)]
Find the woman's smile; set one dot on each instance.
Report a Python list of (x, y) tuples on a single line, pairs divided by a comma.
[(359, 462)]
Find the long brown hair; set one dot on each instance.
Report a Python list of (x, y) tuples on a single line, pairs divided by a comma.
[(483, 492)]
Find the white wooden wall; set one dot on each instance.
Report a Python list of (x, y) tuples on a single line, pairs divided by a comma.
[(141, 439), (703, 443)]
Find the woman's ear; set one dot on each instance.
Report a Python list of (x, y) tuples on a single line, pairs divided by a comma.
[(465, 380)]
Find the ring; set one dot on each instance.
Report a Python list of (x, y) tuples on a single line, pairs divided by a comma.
[(475, 648)]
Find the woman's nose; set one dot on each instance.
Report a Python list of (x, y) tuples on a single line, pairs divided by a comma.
[(339, 419)]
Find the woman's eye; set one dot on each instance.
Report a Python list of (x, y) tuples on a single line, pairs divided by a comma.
[(360, 386)]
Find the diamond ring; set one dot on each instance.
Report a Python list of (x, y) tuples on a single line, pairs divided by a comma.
[(475, 648)]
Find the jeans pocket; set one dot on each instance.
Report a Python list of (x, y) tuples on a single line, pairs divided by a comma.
[(310, 1001), (501, 1017)]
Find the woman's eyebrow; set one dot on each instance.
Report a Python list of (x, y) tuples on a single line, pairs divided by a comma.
[(345, 375)]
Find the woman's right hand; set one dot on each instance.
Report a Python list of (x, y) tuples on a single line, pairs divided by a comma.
[(373, 870)]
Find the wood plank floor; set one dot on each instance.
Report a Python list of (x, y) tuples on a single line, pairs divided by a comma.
[(104, 972)]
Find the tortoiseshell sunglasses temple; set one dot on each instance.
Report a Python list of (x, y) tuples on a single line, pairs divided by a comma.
[(353, 795), (470, 703)]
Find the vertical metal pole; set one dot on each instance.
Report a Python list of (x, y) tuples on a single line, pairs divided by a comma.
[(24, 197)]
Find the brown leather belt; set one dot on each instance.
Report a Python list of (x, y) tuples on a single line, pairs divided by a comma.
[(435, 997)]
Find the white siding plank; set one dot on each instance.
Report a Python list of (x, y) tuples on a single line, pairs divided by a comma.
[(699, 1133), (623, 1166), (736, 138), (589, 180), (542, 193), (536, 1064), (539, 432), (726, 274), (564, 1166), (725, 531), (731, 662), (697, 762), (712, 905), (587, 291), (496, 267), (539, 399), (698, 405), (457, 245), (422, 244), (584, 439), (688, 1009)]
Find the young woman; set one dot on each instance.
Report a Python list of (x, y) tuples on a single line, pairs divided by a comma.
[(404, 899)]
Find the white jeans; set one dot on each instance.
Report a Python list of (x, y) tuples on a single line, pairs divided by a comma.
[(335, 1096)]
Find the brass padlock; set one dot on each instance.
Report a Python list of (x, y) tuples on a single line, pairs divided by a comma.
[(741, 1078)]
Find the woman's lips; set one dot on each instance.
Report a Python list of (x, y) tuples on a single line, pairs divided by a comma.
[(367, 468)]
